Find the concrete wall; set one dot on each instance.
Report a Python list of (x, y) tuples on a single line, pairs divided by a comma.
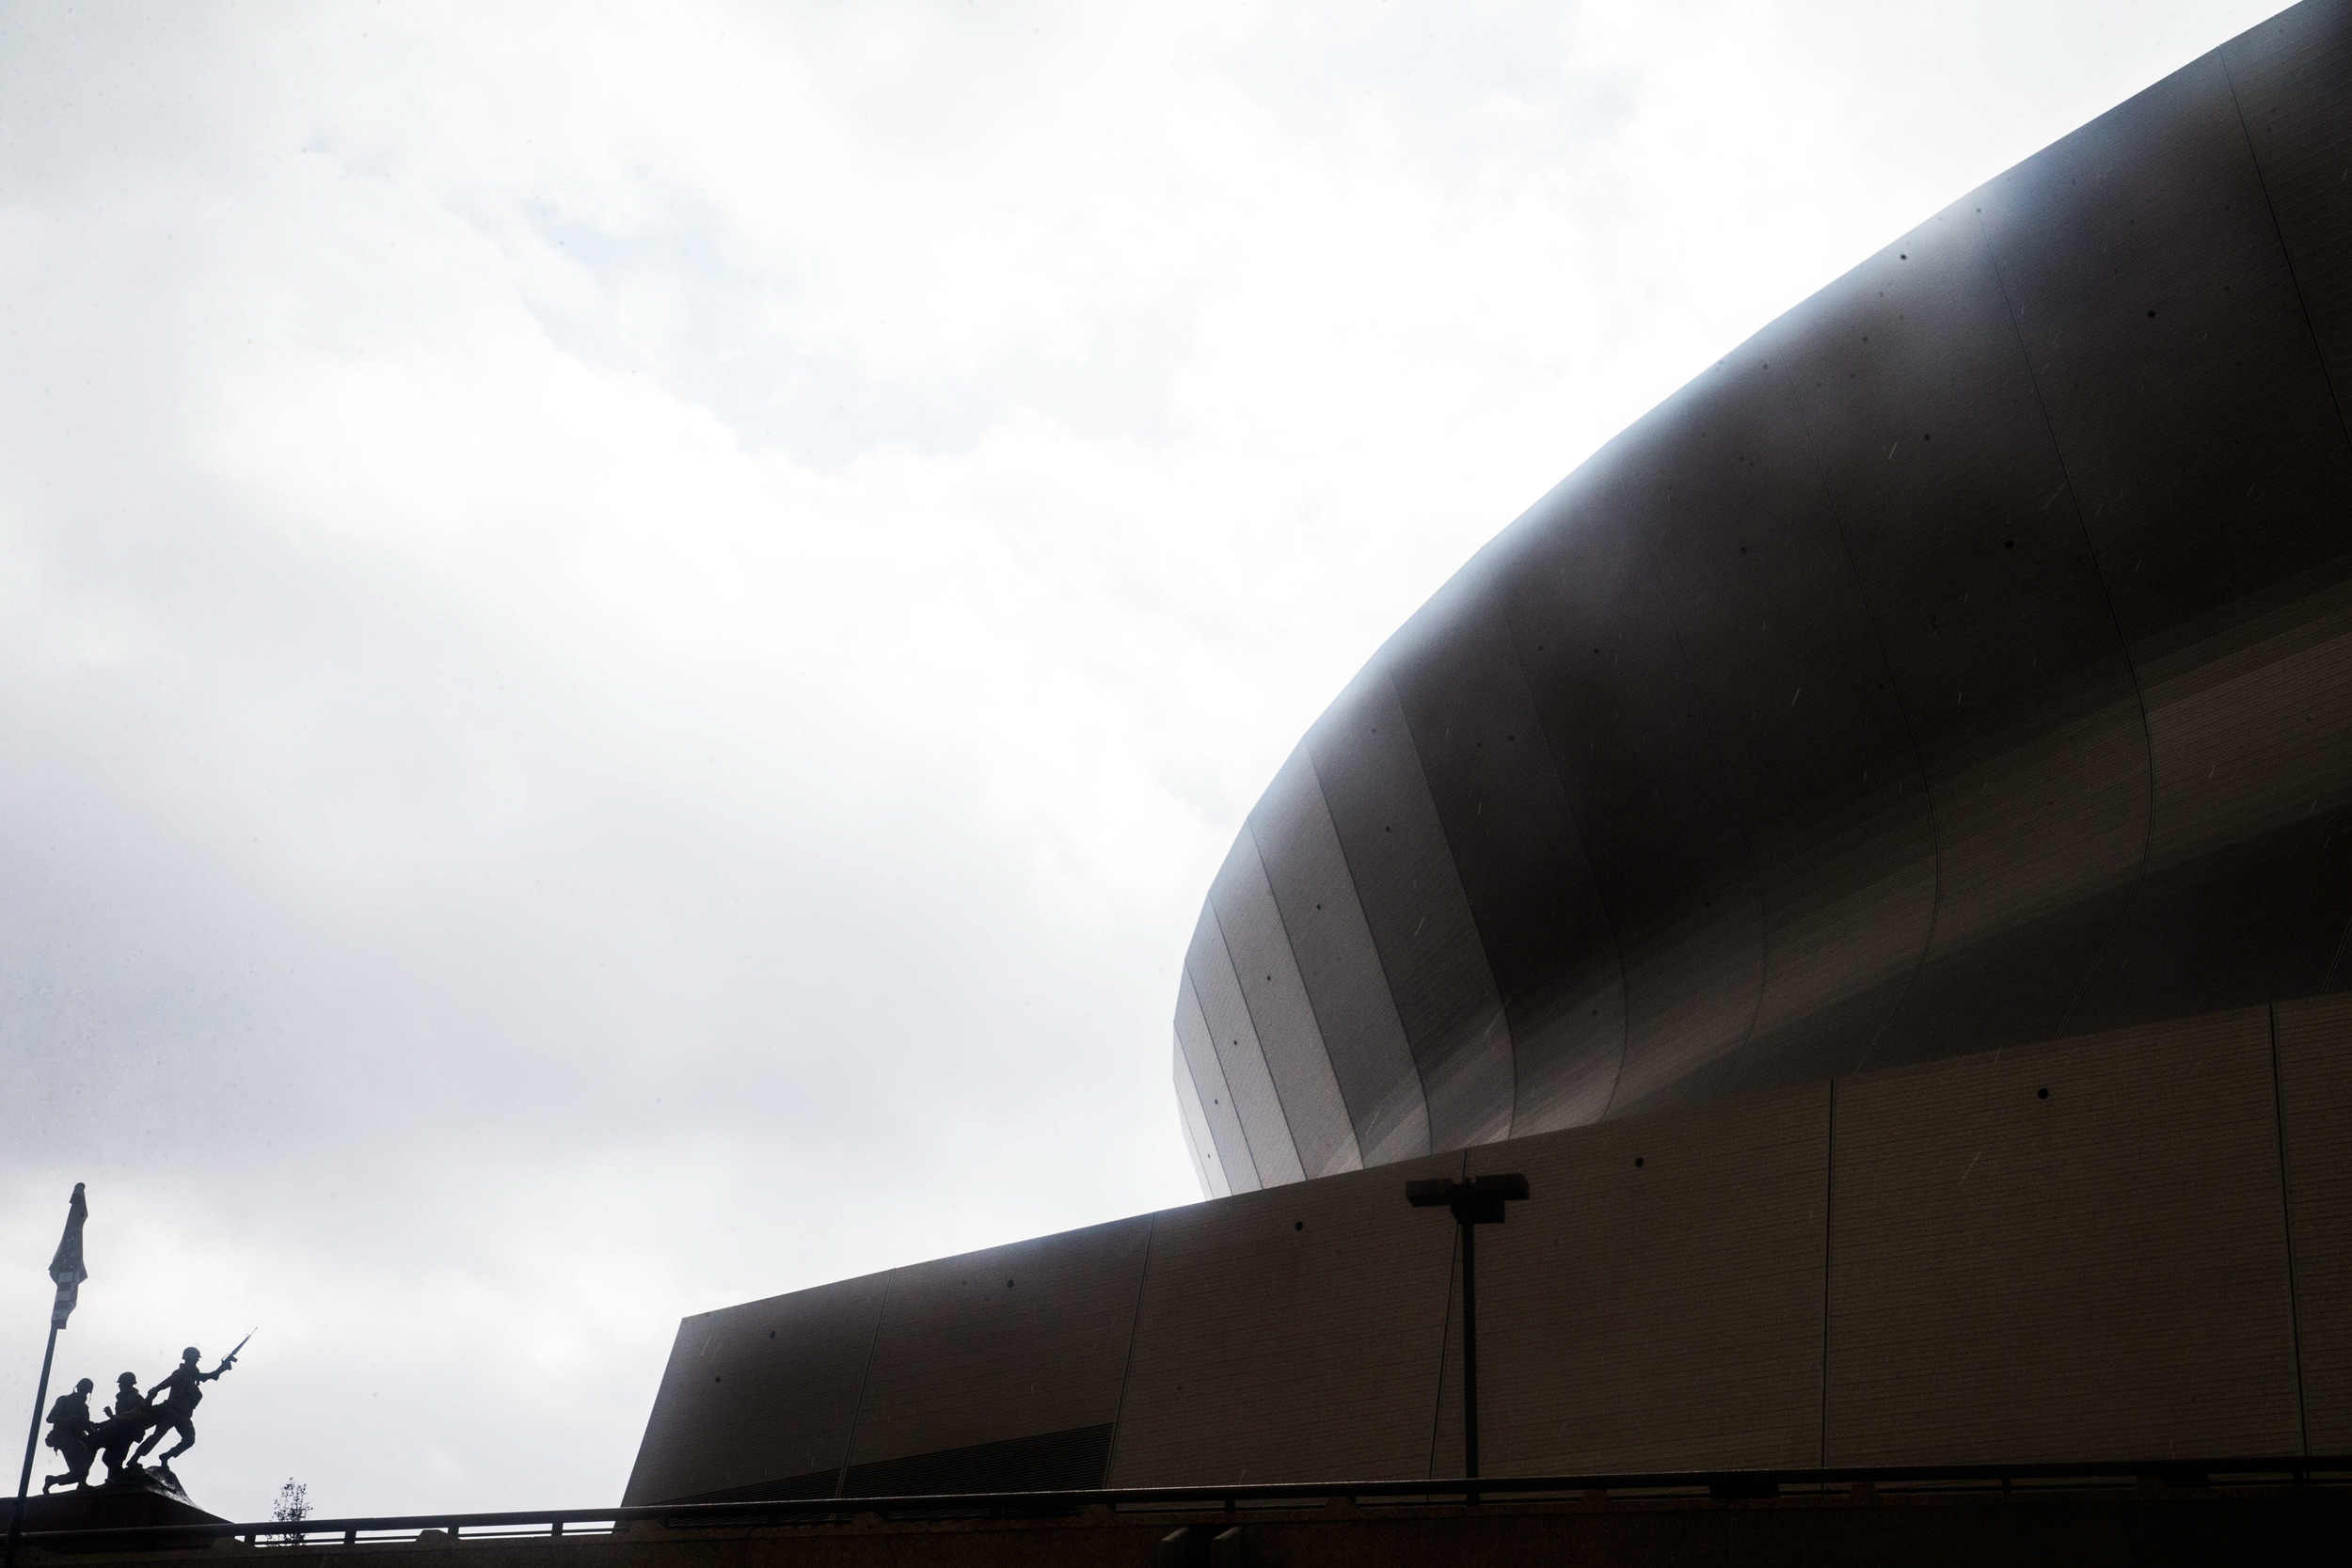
[(1654, 1315), (2064, 1254), (1290, 1333), (1016, 1343), (762, 1395), (2128, 1245), (2314, 1053)]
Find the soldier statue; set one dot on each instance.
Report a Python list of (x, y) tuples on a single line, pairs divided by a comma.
[(125, 1424), (70, 1435), (174, 1413)]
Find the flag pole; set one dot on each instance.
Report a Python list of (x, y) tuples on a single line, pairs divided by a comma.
[(32, 1440), (67, 1273)]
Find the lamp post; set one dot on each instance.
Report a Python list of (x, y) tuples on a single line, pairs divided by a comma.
[(1477, 1201)]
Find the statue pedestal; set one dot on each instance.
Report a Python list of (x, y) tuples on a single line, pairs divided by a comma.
[(140, 1498)]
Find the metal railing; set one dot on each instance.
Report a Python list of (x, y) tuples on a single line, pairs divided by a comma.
[(1861, 1483)]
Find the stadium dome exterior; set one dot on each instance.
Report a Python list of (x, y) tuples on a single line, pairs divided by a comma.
[(1866, 851), (1964, 661)]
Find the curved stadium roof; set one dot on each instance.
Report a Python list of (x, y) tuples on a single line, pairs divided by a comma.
[(1966, 660)]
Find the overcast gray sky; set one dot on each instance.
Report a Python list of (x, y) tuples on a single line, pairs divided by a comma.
[(628, 635)]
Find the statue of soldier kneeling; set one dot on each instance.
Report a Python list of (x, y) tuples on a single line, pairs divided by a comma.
[(70, 1435)]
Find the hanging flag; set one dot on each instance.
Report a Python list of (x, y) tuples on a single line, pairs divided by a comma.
[(65, 1268)]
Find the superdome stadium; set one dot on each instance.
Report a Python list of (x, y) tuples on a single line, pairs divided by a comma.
[(1872, 848), (1962, 663)]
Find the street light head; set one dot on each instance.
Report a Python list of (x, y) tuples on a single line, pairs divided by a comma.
[(1477, 1201), (1430, 1195)]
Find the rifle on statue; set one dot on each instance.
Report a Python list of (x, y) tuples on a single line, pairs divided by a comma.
[(230, 1359)]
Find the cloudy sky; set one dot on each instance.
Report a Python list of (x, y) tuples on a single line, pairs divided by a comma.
[(629, 634)]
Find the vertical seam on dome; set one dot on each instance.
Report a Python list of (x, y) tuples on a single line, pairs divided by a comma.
[(1600, 898), (1323, 1035), (1208, 1035), (1421, 771), (1355, 889), (1183, 1073), (1747, 837), (2327, 377), (1926, 787), (1322, 1044), (2262, 182), (1454, 860), (2122, 644), (1241, 992), (1240, 1124)]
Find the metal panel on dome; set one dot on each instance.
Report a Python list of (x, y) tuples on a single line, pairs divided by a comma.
[(1283, 1016), (1197, 1140), (1791, 683), (2249, 880), (2175, 358), (1997, 635), (2173, 354), (1339, 966), (1658, 820), (1513, 840), (1235, 1039), (1196, 1053), (1413, 906), (2291, 80)]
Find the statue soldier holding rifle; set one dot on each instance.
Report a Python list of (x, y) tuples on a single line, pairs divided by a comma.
[(74, 1435), (174, 1413)]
